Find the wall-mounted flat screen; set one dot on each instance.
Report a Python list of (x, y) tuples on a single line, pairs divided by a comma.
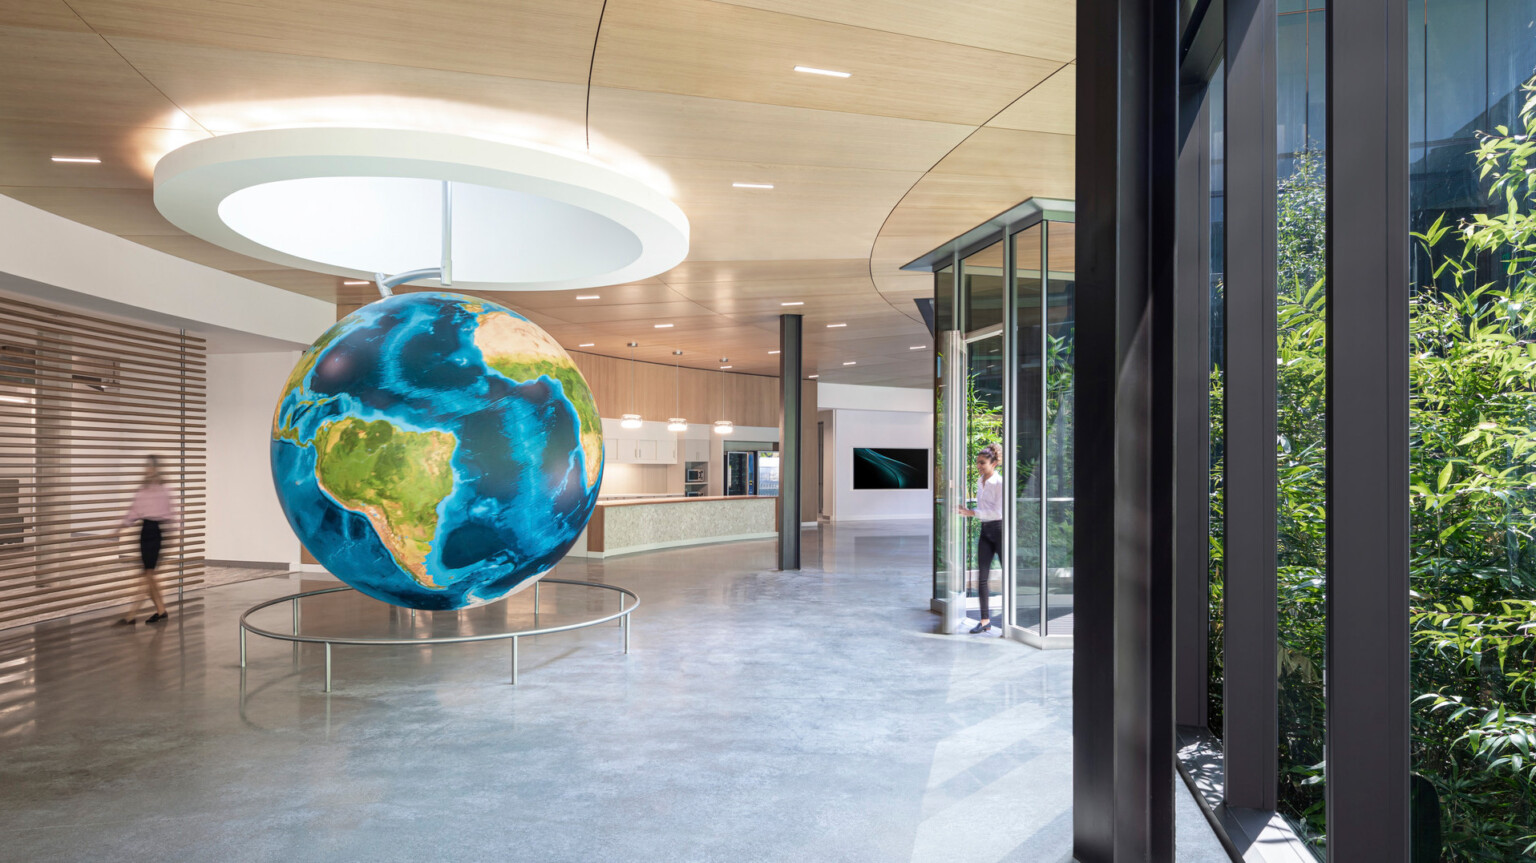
[(889, 468)]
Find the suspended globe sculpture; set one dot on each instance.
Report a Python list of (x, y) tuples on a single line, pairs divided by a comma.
[(437, 451)]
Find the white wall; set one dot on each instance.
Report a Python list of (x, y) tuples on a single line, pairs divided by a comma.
[(862, 398), (245, 522), (49, 257), (863, 416), (860, 428)]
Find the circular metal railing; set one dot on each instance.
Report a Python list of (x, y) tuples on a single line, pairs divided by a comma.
[(622, 615)]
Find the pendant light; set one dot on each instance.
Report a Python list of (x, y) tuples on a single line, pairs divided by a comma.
[(677, 424), (631, 420), (723, 426)]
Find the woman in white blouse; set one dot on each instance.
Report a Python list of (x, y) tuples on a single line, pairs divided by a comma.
[(989, 508), (156, 515)]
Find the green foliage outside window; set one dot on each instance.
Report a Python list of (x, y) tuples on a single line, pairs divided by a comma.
[(1301, 503), (1473, 498), (1473, 506)]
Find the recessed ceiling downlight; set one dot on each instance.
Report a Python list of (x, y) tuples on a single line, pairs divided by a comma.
[(355, 202)]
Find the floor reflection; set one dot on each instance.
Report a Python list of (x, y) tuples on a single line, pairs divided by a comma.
[(799, 715)]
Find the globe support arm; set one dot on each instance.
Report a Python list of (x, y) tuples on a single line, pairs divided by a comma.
[(444, 273)]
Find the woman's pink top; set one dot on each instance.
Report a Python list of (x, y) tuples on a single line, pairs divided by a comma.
[(153, 501)]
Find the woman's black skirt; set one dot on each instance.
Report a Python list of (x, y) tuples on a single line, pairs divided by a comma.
[(149, 542)]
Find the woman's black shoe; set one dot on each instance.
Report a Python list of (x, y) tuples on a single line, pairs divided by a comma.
[(157, 617), (981, 627)]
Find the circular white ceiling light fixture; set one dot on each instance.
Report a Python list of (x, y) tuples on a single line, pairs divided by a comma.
[(359, 202)]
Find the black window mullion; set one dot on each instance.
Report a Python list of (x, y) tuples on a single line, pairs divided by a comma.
[(1127, 136), (1192, 394), (1367, 368), (1251, 730)]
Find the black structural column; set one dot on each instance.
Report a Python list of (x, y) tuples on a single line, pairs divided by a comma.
[(1127, 115), (1192, 398), (790, 449), (1368, 521), (1251, 735)]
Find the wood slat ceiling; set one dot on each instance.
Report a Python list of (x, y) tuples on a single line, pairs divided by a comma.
[(956, 110)]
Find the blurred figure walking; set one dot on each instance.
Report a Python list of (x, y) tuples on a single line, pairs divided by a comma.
[(156, 515)]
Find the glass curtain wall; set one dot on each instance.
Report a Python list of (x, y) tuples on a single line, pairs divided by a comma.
[(1015, 297), (948, 492), (1472, 411), (1473, 317), (1215, 562), (1301, 415), (1471, 378), (1060, 308), (1029, 408)]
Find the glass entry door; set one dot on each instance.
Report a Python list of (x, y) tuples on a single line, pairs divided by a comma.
[(984, 425), (1045, 299)]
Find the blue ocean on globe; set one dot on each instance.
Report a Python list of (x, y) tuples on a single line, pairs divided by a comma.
[(437, 451)]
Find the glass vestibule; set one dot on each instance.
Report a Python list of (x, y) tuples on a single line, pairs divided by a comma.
[(1004, 303)]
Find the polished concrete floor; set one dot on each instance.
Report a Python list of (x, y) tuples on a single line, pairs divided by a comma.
[(760, 716)]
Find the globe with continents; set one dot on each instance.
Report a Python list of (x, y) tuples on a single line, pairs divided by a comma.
[(437, 451)]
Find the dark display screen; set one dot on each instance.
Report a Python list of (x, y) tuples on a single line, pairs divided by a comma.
[(890, 468)]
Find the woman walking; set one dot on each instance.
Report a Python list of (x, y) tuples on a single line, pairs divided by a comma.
[(989, 508), (153, 510)]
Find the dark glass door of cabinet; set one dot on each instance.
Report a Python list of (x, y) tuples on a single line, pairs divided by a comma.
[(739, 478)]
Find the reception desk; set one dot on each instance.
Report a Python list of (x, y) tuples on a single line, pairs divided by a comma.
[(631, 525)]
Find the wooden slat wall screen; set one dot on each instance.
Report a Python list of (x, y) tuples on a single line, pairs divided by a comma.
[(83, 400)]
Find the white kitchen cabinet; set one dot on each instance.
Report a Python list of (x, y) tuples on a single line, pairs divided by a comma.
[(641, 446)]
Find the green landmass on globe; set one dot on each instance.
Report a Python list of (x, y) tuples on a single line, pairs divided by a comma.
[(396, 478), (522, 352)]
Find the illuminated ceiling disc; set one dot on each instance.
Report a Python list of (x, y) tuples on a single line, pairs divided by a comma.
[(354, 202)]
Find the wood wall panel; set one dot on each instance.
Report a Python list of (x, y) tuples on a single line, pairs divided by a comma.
[(748, 400), (83, 400)]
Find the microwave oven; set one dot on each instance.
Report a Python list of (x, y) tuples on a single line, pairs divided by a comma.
[(695, 474)]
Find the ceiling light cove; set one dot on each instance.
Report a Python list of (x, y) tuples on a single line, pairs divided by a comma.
[(918, 348), (588, 297), (795, 303), (356, 282), (851, 363), (830, 73), (835, 326), (355, 202), (771, 353), (78, 160), (662, 326), (395, 110), (587, 345), (752, 185)]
